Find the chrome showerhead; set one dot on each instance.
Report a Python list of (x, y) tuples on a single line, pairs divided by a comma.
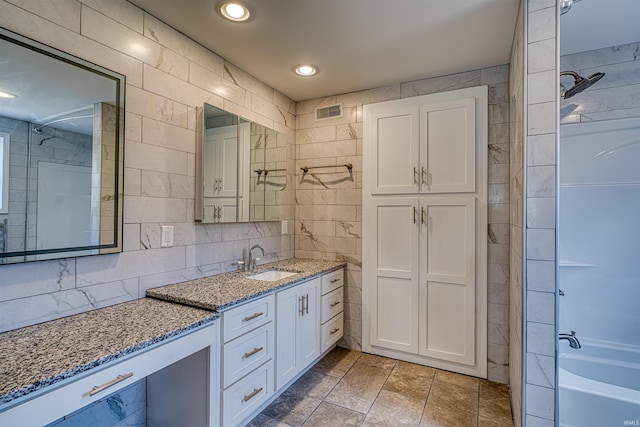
[(580, 83), (565, 5)]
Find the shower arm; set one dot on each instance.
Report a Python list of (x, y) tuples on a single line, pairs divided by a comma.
[(575, 75)]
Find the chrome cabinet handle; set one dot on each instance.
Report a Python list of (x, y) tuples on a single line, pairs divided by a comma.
[(250, 396), (415, 175), (97, 389), (425, 176), (415, 213), (333, 304), (253, 316), (301, 305), (423, 213), (306, 303), (333, 331), (252, 352), (335, 280)]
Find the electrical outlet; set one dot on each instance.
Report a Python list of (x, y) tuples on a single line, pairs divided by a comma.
[(166, 240), (285, 227)]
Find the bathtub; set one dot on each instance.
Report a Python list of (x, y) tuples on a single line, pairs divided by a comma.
[(599, 386)]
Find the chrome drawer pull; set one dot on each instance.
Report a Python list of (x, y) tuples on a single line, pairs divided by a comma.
[(333, 304), (333, 331), (118, 379), (253, 316), (252, 352), (251, 395), (335, 280)]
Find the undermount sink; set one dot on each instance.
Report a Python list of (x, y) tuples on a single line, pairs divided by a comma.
[(272, 275)]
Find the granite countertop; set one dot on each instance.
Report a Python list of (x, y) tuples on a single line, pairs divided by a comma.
[(224, 291), (37, 356)]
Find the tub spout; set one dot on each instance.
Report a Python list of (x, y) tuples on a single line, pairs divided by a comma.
[(573, 341)]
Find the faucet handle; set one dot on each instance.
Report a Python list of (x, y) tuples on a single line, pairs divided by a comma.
[(240, 265), (254, 262)]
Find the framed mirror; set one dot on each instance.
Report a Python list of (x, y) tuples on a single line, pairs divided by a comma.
[(241, 167), (61, 152)]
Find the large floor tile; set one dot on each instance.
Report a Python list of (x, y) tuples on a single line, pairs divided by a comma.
[(337, 362), (495, 403), (458, 379), (359, 387), (328, 415), (312, 384), (394, 409), (377, 361), (292, 409), (410, 379), (447, 397), (263, 421)]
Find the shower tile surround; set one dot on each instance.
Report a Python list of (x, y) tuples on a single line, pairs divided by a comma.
[(171, 74)]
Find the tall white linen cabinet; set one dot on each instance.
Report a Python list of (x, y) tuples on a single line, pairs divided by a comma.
[(425, 230)]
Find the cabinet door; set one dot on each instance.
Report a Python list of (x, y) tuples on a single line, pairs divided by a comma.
[(394, 160), (288, 308), (309, 320), (394, 274), (447, 146), (447, 278)]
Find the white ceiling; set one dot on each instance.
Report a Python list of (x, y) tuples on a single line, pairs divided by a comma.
[(594, 24), (357, 44), (48, 89)]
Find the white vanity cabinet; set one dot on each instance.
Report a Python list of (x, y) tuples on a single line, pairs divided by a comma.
[(247, 351), (332, 307), (179, 371), (297, 329)]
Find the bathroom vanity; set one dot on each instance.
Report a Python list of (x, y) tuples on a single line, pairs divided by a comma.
[(215, 351)]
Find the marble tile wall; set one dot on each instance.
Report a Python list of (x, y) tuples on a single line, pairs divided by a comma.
[(516, 116), (616, 95), (167, 76), (329, 201), (541, 123)]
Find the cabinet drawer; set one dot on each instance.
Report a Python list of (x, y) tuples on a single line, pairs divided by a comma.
[(332, 304), (242, 398), (246, 353), (332, 331), (333, 280), (247, 317)]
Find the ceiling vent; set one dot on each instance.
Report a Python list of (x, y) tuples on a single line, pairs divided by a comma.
[(330, 112)]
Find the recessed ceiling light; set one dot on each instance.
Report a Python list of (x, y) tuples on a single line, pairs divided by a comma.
[(234, 11), (305, 70), (7, 95)]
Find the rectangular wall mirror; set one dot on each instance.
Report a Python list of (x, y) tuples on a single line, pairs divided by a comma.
[(61, 151), (242, 168)]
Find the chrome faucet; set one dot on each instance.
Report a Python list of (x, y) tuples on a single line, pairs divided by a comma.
[(251, 262), (573, 341)]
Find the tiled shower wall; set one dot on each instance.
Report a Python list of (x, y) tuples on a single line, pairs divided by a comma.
[(329, 201), (167, 76), (516, 130), (615, 96)]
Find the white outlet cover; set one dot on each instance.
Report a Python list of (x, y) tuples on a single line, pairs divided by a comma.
[(285, 227), (166, 239)]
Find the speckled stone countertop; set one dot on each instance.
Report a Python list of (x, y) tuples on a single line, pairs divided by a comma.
[(223, 291), (37, 356)]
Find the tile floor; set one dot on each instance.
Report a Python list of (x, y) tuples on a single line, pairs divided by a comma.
[(349, 388)]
